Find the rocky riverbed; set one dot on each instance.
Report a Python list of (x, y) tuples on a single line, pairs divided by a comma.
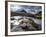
[(23, 23)]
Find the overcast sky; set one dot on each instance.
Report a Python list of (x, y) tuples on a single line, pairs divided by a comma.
[(28, 9)]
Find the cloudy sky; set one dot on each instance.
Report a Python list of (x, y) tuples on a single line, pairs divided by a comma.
[(28, 9)]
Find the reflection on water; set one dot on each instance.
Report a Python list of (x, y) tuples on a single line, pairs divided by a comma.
[(24, 23)]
